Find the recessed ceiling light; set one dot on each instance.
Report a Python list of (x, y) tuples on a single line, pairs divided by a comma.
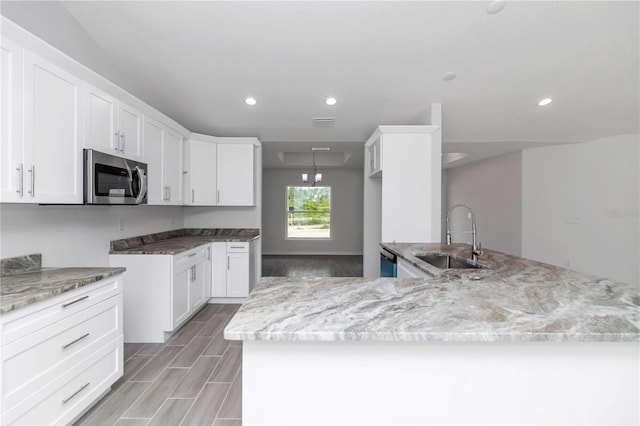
[(496, 6), (250, 101), (545, 101), (448, 76), (331, 101)]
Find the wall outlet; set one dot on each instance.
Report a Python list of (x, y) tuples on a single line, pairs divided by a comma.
[(120, 224), (572, 220)]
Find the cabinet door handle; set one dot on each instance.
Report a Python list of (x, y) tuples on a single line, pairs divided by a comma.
[(124, 142), (75, 301), (20, 170), (193, 254), (194, 273), (117, 135), (218, 199), (228, 263), (75, 341), (193, 196), (169, 192), (64, 401), (209, 253), (237, 247), (32, 170)]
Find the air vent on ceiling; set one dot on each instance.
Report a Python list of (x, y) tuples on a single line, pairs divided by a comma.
[(323, 122)]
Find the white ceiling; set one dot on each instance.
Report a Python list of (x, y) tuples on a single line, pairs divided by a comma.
[(384, 62)]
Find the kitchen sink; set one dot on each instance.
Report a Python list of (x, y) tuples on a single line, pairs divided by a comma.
[(444, 261)]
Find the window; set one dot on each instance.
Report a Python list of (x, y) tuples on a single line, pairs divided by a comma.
[(309, 212)]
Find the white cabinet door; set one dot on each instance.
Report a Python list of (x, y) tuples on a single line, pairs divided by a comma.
[(130, 127), (199, 284), (235, 174), (101, 131), (173, 166), (238, 274), (180, 308), (374, 154), (53, 131), (202, 173), (154, 157), (219, 269), (11, 146)]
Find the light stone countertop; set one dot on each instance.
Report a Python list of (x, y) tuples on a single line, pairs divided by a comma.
[(22, 289), (514, 300)]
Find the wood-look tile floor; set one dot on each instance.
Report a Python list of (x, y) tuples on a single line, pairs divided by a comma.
[(311, 266), (195, 378)]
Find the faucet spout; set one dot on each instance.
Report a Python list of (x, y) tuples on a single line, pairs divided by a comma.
[(476, 249)]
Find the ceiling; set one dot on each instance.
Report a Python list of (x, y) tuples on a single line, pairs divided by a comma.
[(384, 62)]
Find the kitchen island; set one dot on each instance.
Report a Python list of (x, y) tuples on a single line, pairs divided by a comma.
[(517, 342)]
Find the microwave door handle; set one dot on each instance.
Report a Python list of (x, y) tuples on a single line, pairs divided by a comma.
[(142, 180)]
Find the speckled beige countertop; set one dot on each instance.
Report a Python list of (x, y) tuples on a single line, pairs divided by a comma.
[(514, 299), (24, 281)]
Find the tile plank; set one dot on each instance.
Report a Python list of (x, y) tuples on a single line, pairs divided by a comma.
[(191, 352), (172, 412), (228, 366), (232, 405), (158, 363), (155, 395), (197, 376), (206, 406), (112, 408)]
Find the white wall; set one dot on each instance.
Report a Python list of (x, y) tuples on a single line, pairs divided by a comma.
[(493, 189), (346, 213), (580, 206), (50, 21), (78, 235)]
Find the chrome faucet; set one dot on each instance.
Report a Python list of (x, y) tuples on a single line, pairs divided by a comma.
[(476, 248)]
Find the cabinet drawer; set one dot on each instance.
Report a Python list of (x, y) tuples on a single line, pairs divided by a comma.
[(19, 323), (238, 247), (62, 400), (35, 360), (191, 256)]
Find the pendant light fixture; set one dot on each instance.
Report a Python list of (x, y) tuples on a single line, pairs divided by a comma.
[(317, 177)]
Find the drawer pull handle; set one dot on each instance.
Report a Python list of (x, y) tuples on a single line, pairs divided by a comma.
[(240, 247), (75, 341), (193, 254), (75, 301), (83, 387)]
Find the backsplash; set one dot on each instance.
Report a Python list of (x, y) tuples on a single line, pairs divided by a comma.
[(20, 264)]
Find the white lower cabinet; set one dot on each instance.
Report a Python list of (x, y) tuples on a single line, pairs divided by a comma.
[(230, 270), (60, 355), (163, 292)]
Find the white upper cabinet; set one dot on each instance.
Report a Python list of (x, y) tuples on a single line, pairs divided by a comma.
[(11, 152), (52, 150), (111, 126), (235, 174), (163, 154), (200, 175), (173, 166), (219, 173)]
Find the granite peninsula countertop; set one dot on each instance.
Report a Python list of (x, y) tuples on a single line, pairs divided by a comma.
[(174, 242), (513, 300), (20, 287)]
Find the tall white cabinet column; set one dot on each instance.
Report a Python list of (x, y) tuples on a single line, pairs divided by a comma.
[(402, 187)]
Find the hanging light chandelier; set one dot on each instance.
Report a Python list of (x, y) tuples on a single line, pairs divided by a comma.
[(317, 177)]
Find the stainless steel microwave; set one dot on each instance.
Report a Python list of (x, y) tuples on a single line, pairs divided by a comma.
[(113, 180)]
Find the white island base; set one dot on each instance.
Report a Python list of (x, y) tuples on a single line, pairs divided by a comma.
[(411, 383)]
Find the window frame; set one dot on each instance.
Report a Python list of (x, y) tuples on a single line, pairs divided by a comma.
[(287, 212)]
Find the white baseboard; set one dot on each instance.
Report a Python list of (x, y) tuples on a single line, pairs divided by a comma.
[(227, 300), (314, 253)]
